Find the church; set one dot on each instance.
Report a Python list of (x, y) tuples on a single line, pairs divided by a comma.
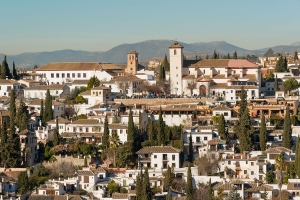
[(217, 78)]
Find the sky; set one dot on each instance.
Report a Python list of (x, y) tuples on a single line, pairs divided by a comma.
[(99, 25)]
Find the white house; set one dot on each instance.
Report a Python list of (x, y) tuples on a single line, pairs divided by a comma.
[(7, 85), (159, 157), (40, 91), (51, 188), (29, 82), (57, 107), (97, 95)]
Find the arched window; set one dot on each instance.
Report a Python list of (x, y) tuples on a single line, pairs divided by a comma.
[(175, 52)]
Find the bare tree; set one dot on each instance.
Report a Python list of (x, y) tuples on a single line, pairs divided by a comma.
[(207, 165), (191, 85), (123, 85)]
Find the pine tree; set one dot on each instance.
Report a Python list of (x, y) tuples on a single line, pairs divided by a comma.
[(42, 112), (191, 149), (189, 184), (56, 134), (181, 149), (234, 55), (12, 110), (161, 134), (221, 128), (93, 82), (146, 186), (209, 191), (281, 65), (233, 194), (263, 133), (287, 130), (276, 87), (105, 137), (14, 72), (243, 128), (297, 158), (48, 108)]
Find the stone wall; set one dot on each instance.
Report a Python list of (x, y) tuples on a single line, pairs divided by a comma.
[(159, 101)]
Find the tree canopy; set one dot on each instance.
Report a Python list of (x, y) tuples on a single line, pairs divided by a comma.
[(93, 82), (290, 84)]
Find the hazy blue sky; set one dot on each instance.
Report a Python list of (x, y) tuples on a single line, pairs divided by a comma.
[(98, 25)]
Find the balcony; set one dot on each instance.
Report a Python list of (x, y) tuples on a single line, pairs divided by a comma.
[(145, 160)]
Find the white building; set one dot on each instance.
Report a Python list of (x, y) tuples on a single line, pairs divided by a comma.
[(159, 157), (41, 90), (7, 85), (213, 77), (97, 95)]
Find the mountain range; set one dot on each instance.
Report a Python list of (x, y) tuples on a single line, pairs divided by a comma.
[(150, 49)]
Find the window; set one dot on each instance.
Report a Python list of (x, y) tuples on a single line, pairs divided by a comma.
[(155, 165), (173, 165), (245, 171), (78, 75), (205, 138), (176, 75), (130, 175), (175, 52), (229, 162), (52, 75), (225, 113), (173, 157), (84, 75), (252, 172), (57, 75), (63, 75), (252, 163), (121, 131), (56, 92), (68, 75), (155, 156), (231, 91), (73, 75)]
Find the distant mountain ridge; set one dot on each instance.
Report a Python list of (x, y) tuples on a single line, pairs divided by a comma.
[(149, 49)]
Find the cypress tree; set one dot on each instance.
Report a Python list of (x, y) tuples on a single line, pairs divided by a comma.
[(210, 191), (215, 56), (206, 57), (181, 149), (161, 134), (4, 153), (48, 107), (105, 137), (14, 72), (160, 76), (228, 56), (276, 87), (263, 133), (42, 112), (297, 158), (163, 74), (191, 149), (85, 162), (296, 56), (146, 186), (287, 130), (169, 177), (281, 65), (22, 116), (150, 131), (189, 184), (13, 150), (221, 128), (5, 73), (243, 128), (12, 110), (234, 55), (23, 183), (165, 63), (131, 128), (139, 186), (56, 134)]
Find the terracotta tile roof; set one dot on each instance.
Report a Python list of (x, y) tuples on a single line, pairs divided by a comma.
[(85, 121), (211, 63), (46, 87), (188, 63), (117, 195), (250, 77), (175, 45), (101, 88), (61, 120), (241, 63), (88, 92), (57, 103), (85, 173), (218, 85), (216, 141), (98, 170), (129, 78), (190, 76), (132, 52), (179, 107), (24, 132), (29, 80), (78, 66), (254, 187), (8, 82), (240, 86), (158, 149), (293, 186), (79, 82), (81, 134), (202, 78), (278, 150), (253, 158), (219, 76), (117, 126), (221, 107)]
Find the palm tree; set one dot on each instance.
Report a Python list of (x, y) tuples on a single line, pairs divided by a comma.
[(280, 166), (114, 143)]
